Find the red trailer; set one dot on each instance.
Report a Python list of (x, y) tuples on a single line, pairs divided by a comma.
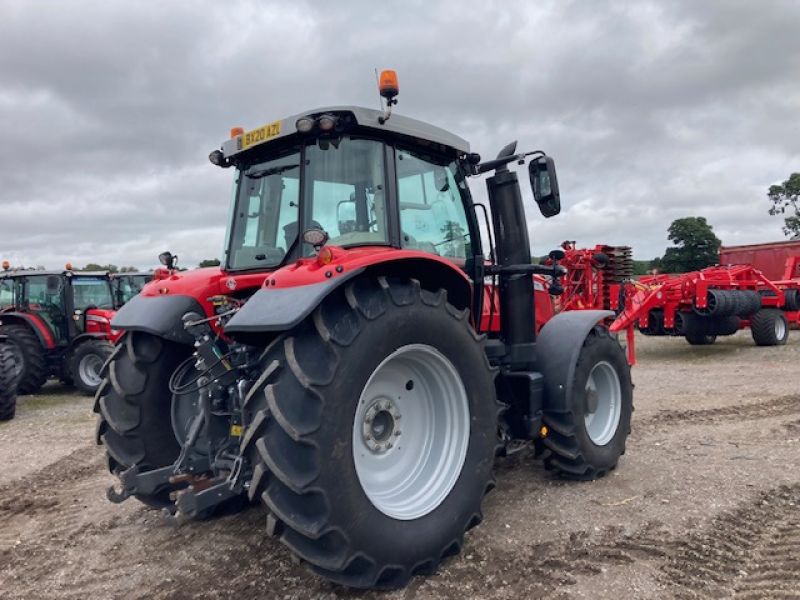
[(769, 258)]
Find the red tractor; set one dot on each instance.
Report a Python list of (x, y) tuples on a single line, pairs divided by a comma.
[(8, 381), (58, 324), (350, 365)]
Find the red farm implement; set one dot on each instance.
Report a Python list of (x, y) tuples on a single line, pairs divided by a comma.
[(699, 306), (594, 276), (717, 301)]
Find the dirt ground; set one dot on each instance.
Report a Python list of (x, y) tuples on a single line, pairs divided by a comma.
[(705, 504)]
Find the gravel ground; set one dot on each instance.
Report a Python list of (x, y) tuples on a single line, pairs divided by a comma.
[(703, 505)]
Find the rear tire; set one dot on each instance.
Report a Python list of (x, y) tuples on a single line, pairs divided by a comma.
[(586, 439), (769, 327), (133, 404), (311, 440), (32, 373), (86, 365), (8, 383)]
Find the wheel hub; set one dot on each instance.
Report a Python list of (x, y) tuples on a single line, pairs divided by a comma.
[(90, 368), (379, 429)]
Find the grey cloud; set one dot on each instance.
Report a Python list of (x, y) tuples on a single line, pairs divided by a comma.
[(653, 110)]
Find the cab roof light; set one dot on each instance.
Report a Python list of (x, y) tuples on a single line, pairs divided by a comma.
[(388, 88), (326, 123), (304, 124), (236, 131)]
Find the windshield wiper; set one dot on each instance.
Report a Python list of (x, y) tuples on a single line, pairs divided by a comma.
[(271, 171)]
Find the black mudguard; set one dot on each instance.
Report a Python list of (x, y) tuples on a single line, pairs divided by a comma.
[(557, 350), (158, 315), (279, 309)]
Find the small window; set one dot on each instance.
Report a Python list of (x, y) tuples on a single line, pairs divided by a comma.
[(6, 293), (432, 215)]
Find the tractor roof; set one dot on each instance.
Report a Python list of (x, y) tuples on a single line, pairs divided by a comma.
[(367, 118), (36, 273)]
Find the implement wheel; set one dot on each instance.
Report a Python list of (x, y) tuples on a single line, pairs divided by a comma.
[(372, 432), (133, 406), (30, 362), (586, 439), (769, 327), (8, 383)]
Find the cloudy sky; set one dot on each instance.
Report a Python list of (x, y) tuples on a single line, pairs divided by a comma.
[(652, 110)]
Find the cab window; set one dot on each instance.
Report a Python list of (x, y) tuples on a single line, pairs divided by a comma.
[(6, 293), (432, 214)]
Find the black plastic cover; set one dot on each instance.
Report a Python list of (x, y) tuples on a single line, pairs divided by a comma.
[(159, 315), (279, 309), (558, 348)]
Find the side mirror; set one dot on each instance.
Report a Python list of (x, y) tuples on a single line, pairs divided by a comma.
[(53, 285), (544, 184), (168, 259), (346, 216)]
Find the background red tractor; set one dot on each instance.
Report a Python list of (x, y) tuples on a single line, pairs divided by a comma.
[(350, 365), (58, 324)]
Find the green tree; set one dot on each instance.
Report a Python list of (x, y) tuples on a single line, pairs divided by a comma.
[(696, 246), (209, 262), (96, 267), (785, 199)]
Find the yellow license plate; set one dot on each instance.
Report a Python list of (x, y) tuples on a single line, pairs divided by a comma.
[(236, 431), (260, 135)]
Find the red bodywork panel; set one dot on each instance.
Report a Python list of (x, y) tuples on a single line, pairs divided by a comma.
[(202, 284), (331, 262), (334, 261), (769, 258), (98, 321), (543, 303)]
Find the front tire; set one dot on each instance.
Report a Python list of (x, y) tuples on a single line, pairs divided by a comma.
[(376, 358), (29, 358), (586, 438), (8, 383), (133, 405), (86, 365)]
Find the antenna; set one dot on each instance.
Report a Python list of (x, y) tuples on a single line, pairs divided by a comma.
[(378, 85)]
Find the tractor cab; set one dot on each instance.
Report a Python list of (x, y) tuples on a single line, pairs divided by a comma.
[(126, 285), (47, 315), (334, 171)]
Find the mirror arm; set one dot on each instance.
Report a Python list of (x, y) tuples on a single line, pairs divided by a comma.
[(499, 163)]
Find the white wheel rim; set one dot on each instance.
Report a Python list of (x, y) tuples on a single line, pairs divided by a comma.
[(604, 395), (411, 432), (89, 370), (780, 328)]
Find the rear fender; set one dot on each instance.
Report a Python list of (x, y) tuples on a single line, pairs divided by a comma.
[(558, 348), (158, 315), (274, 309), (39, 327)]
